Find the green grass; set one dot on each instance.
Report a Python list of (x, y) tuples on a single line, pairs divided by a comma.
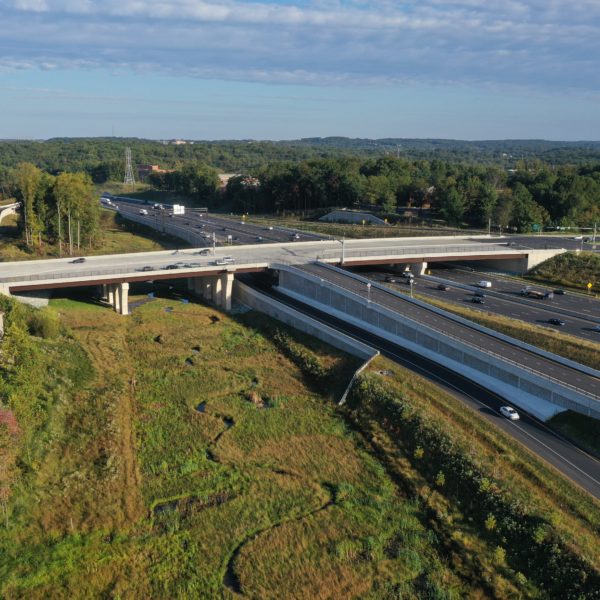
[(151, 498), (271, 489), (571, 269)]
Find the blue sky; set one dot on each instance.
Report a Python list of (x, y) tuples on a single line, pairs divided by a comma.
[(280, 69)]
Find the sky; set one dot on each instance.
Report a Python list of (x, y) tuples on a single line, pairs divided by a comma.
[(286, 69)]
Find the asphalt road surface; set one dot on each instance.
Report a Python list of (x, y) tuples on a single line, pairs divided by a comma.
[(581, 314), (576, 465), (471, 336), (227, 230)]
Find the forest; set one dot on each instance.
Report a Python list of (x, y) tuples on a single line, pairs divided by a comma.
[(510, 185)]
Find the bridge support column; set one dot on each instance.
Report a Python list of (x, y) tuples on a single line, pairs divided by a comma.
[(116, 298), (123, 298), (104, 291), (226, 285), (4, 289), (419, 268), (110, 293)]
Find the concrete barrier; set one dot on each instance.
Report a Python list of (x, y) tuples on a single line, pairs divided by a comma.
[(534, 392), (262, 303)]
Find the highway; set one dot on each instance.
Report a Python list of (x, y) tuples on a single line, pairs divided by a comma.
[(580, 313), (584, 382), (227, 230), (576, 465)]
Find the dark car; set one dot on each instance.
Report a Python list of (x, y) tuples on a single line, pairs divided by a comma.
[(443, 287), (147, 268), (479, 294), (555, 321), (560, 292), (169, 267), (390, 279), (477, 300), (78, 260)]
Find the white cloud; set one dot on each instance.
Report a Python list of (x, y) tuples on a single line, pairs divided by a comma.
[(543, 43)]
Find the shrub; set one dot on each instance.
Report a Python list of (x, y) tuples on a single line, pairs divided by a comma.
[(44, 323)]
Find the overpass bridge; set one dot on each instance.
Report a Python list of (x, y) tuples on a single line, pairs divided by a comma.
[(213, 270)]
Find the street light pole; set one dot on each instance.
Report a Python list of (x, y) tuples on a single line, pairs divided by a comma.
[(368, 292), (214, 243)]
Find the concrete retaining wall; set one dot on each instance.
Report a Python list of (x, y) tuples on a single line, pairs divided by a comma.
[(533, 392), (254, 299)]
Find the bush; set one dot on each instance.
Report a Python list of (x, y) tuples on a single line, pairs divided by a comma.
[(44, 323)]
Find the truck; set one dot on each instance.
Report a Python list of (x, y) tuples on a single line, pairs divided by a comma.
[(531, 293)]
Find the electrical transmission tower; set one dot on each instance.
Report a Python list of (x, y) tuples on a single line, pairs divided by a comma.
[(129, 179)]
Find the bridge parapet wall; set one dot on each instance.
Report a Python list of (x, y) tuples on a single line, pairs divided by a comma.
[(532, 391)]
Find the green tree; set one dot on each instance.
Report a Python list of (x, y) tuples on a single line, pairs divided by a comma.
[(28, 178)]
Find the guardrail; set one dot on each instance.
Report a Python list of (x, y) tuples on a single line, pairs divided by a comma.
[(436, 333)]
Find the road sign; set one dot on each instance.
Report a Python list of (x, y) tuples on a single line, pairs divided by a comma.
[(537, 227), (589, 285)]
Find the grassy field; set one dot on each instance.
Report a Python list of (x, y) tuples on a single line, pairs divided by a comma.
[(180, 452), (572, 270), (118, 236)]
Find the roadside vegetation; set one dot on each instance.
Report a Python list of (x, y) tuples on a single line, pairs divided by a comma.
[(116, 235), (486, 497), (571, 270), (180, 452)]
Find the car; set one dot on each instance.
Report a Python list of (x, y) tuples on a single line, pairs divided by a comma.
[(228, 260), (484, 283), (203, 252), (259, 238), (407, 275), (510, 413), (578, 237), (477, 300), (390, 279), (596, 329), (443, 287), (77, 261), (479, 294), (555, 321), (220, 262), (147, 268), (170, 267), (242, 222), (270, 227), (192, 265), (560, 292), (296, 236), (143, 211)]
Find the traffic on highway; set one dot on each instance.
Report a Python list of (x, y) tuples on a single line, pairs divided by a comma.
[(208, 228), (550, 307)]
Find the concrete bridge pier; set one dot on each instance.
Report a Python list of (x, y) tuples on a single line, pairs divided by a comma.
[(215, 288), (122, 294), (117, 295), (419, 268), (226, 285)]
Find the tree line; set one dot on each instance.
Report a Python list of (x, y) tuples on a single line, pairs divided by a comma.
[(522, 199), (61, 209)]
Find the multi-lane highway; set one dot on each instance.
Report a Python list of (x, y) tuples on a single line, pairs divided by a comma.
[(472, 336), (580, 314), (575, 464), (225, 230)]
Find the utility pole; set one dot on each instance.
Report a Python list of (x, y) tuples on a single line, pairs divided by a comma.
[(489, 227), (214, 243)]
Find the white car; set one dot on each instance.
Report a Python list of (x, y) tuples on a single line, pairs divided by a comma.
[(228, 260), (484, 284), (509, 413)]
